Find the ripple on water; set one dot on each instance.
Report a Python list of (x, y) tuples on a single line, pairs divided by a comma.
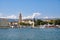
[(30, 34)]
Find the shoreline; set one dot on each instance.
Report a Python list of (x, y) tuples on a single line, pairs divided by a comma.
[(26, 27)]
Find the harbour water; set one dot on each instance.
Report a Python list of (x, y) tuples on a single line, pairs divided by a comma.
[(29, 34)]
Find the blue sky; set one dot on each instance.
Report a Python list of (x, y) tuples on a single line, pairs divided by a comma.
[(46, 8)]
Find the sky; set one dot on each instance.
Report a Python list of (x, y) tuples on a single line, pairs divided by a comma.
[(30, 8)]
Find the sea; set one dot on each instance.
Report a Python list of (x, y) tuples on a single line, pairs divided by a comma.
[(29, 33)]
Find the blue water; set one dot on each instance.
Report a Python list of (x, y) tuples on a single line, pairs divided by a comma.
[(29, 34)]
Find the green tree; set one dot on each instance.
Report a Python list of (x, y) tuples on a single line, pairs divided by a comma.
[(57, 22), (38, 22), (25, 24)]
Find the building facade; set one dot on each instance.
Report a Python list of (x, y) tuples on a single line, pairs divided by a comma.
[(3, 22)]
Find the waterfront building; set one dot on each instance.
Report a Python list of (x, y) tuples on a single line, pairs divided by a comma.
[(28, 21), (13, 22), (3, 22)]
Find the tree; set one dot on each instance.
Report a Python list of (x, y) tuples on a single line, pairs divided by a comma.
[(38, 21), (25, 24), (57, 22)]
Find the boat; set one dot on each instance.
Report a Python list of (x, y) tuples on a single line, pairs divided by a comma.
[(12, 26)]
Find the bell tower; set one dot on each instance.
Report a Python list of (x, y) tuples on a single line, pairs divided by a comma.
[(20, 17)]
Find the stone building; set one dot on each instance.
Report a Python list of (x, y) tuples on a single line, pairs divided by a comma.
[(3, 22), (20, 18)]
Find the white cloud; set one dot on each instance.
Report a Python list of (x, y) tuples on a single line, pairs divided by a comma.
[(32, 16), (36, 14), (46, 17), (12, 17), (27, 17)]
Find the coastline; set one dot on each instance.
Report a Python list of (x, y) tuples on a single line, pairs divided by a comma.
[(27, 27)]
